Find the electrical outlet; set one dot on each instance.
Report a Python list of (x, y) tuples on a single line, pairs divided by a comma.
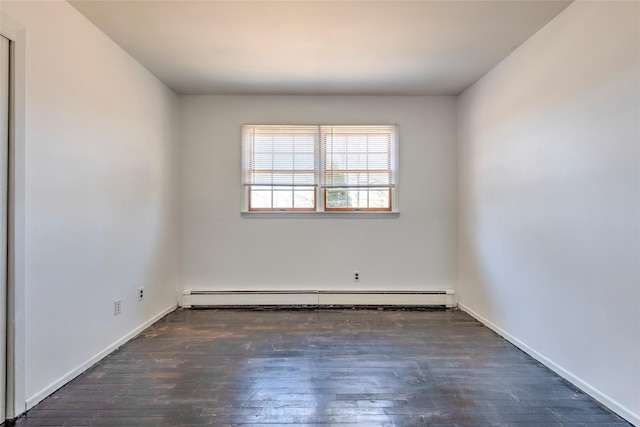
[(140, 293), (117, 307), (356, 276)]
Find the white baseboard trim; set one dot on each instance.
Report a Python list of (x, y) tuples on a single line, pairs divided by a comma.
[(317, 298), (48, 390), (607, 401)]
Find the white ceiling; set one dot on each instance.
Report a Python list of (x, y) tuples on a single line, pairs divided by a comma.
[(319, 47)]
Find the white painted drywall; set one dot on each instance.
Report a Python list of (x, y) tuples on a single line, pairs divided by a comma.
[(550, 199), (219, 249), (100, 148)]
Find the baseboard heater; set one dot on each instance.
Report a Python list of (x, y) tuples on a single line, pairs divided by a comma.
[(294, 298)]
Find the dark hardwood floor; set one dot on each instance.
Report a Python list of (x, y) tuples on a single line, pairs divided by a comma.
[(319, 367)]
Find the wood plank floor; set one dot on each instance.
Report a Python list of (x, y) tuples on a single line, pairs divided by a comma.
[(319, 367)]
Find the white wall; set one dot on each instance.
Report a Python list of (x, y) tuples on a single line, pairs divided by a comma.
[(221, 250), (549, 192), (550, 199), (100, 148)]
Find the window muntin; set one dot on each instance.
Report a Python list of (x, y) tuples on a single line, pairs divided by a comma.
[(319, 168)]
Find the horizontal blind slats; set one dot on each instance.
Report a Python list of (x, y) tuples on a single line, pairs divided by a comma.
[(280, 155), (358, 156), (282, 168)]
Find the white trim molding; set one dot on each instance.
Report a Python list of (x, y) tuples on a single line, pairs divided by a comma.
[(16, 373), (48, 390), (212, 298), (587, 388)]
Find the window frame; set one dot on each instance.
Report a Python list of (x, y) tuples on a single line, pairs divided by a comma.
[(356, 209), (363, 131), (321, 189), (282, 142)]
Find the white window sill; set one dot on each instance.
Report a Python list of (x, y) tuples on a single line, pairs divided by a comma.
[(350, 215)]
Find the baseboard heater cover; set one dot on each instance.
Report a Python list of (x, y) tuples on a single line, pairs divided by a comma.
[(208, 298)]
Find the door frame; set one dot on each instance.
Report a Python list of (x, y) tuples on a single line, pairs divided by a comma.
[(5, 93), (15, 399)]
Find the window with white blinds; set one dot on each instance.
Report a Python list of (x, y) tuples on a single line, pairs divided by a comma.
[(318, 168), (280, 167), (358, 167)]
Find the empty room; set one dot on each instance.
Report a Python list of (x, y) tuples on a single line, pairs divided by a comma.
[(331, 213)]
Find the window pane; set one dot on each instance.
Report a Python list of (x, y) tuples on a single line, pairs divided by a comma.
[(304, 198), (357, 144), (304, 161), (356, 161), (282, 178), (378, 144), (282, 161), (337, 198), (283, 144), (353, 178), (260, 199), (378, 161), (262, 178), (283, 199), (307, 178), (262, 144), (262, 161), (358, 198), (379, 198), (379, 178), (336, 144), (336, 161), (305, 144)]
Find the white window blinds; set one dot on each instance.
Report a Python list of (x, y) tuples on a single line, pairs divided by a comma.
[(359, 171), (349, 168), (280, 166)]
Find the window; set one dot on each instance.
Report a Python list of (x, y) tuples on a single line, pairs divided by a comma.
[(357, 167), (319, 168), (280, 167)]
